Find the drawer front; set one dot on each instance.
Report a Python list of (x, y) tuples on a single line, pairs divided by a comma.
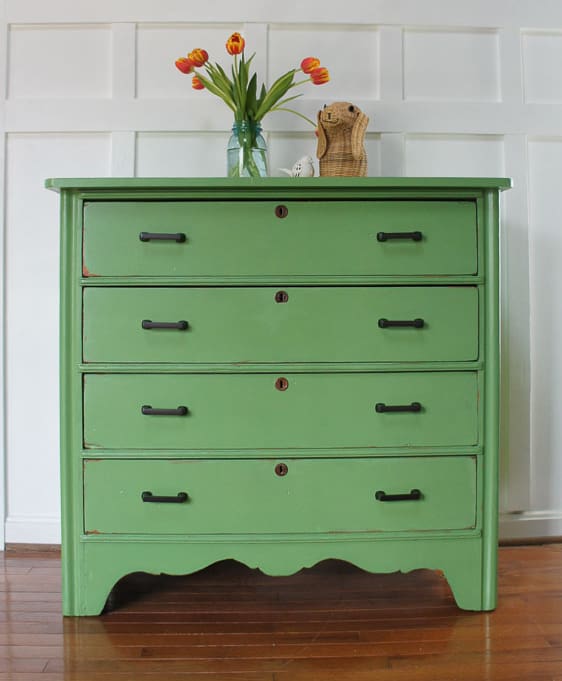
[(229, 239), (334, 495), (314, 324), (267, 411)]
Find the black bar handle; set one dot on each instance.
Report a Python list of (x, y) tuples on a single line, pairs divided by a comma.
[(414, 495), (179, 237), (149, 324), (180, 498), (147, 410), (382, 408), (417, 323), (385, 236)]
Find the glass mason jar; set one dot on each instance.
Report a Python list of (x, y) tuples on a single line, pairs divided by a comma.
[(246, 154)]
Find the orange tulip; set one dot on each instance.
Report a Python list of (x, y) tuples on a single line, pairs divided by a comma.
[(198, 56), (184, 64), (310, 63), (320, 75), (235, 44), (196, 84)]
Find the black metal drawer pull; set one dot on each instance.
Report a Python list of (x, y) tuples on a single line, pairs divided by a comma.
[(417, 323), (381, 408), (414, 495), (147, 410), (149, 324), (180, 498), (178, 237), (385, 236)]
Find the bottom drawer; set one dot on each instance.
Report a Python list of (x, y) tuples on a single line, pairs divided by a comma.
[(274, 496)]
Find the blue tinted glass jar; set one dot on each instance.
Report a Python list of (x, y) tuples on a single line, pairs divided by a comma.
[(246, 151)]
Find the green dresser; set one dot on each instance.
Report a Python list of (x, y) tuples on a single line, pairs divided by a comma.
[(279, 371)]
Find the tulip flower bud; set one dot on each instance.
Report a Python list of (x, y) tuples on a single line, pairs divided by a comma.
[(184, 64), (196, 84), (310, 63), (198, 57), (235, 44), (320, 75)]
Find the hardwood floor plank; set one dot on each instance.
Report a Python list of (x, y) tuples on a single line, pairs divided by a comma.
[(332, 622)]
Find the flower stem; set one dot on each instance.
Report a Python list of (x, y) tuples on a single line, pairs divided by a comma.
[(297, 113)]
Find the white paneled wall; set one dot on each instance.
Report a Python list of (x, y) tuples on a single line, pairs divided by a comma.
[(89, 89), (466, 61)]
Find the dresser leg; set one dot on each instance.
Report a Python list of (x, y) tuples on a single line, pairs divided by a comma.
[(467, 583)]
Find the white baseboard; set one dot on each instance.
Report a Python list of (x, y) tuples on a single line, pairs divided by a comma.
[(530, 525), (33, 530), (525, 525)]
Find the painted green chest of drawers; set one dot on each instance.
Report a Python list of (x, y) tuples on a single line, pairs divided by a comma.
[(279, 372)]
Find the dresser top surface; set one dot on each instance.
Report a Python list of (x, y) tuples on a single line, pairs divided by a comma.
[(283, 183)]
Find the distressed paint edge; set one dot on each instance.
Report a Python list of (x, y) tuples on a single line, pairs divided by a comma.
[(70, 400), (491, 408)]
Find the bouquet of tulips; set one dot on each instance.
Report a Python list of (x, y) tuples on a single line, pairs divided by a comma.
[(239, 90)]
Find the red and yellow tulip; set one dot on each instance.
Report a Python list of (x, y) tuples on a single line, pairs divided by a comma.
[(198, 57), (235, 44), (320, 75), (309, 63), (196, 83), (184, 64)]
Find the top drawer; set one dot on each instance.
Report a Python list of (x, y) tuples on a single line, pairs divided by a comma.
[(310, 239)]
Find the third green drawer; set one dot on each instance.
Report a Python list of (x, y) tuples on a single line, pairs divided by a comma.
[(273, 411)]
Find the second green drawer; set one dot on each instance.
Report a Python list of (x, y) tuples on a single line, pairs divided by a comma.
[(268, 411), (293, 324)]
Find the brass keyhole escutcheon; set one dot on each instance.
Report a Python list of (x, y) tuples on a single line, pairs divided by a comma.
[(281, 383), (281, 297), (281, 211), (281, 469)]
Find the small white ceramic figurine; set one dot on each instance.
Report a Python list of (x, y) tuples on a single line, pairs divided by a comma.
[(304, 167)]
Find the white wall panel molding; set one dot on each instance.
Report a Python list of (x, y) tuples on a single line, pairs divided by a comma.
[(178, 154), (515, 332), (454, 155), (391, 56), (32, 310), (123, 150), (542, 65), (3, 89), (511, 66), (477, 13), (357, 76), (451, 64), (392, 154), (545, 255), (474, 118), (70, 60), (123, 61)]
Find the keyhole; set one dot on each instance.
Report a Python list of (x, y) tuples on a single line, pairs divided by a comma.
[(281, 211), (281, 297), (282, 383), (281, 469)]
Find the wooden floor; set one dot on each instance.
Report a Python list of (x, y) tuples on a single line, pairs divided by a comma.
[(332, 622)]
